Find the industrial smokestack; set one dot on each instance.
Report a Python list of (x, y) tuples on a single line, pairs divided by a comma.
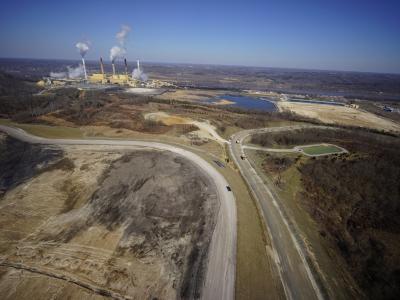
[(84, 68), (126, 67), (117, 52), (101, 65), (83, 48), (113, 68), (138, 65)]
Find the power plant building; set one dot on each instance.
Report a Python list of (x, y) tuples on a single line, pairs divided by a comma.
[(135, 79), (114, 78)]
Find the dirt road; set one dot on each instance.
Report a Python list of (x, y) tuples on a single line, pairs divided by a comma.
[(220, 274)]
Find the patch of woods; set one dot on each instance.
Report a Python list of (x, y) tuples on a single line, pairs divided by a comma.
[(21, 102), (277, 165), (378, 110), (350, 139), (14, 86), (15, 94), (249, 119), (355, 198)]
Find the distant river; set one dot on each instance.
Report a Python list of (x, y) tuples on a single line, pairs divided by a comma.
[(247, 102)]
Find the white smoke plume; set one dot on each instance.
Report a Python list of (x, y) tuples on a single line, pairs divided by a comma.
[(117, 52), (58, 75), (121, 36), (72, 73), (138, 74), (120, 51), (83, 47), (77, 72)]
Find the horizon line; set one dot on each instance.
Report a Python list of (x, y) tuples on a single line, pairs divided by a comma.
[(211, 64)]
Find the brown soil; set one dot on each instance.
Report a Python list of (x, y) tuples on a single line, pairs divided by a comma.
[(100, 223), (340, 115)]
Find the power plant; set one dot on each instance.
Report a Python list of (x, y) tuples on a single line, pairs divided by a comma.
[(79, 74), (113, 78), (136, 78)]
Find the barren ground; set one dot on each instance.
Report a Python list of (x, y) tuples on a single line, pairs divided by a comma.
[(339, 115), (205, 131), (190, 95), (94, 222)]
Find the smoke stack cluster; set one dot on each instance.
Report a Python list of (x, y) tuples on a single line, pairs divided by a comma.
[(116, 52)]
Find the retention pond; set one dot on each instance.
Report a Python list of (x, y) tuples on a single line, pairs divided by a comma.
[(246, 102)]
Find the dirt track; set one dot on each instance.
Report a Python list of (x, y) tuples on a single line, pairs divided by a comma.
[(206, 130)]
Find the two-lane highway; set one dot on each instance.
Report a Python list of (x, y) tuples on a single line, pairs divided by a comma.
[(296, 276)]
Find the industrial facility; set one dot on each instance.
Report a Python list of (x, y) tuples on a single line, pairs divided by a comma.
[(114, 78), (134, 79), (78, 76)]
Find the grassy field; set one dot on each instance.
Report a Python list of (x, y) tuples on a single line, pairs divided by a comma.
[(321, 149)]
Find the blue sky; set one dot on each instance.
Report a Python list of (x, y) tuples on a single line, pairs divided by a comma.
[(314, 34)]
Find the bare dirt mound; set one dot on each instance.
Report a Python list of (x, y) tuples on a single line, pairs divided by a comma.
[(139, 227)]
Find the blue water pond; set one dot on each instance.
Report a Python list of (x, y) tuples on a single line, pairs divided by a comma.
[(247, 102)]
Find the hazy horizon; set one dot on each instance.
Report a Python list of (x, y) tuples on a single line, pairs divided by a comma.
[(133, 61)]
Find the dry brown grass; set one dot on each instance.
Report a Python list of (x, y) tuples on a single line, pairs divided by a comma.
[(190, 95)]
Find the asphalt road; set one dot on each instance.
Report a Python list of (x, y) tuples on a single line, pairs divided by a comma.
[(221, 269), (297, 278)]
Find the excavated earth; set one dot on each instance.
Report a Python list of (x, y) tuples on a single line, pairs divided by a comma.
[(95, 222)]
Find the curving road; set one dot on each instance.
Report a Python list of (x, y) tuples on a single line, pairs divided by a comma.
[(221, 267), (297, 278)]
